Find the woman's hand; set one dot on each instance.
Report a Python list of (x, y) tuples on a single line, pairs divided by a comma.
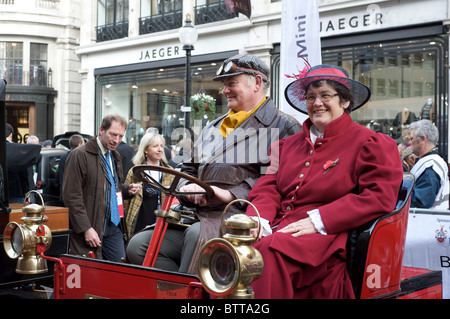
[(254, 233), (299, 228), (134, 189)]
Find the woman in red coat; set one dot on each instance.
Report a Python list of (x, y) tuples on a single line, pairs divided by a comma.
[(333, 177)]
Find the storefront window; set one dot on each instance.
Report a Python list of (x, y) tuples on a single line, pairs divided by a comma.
[(112, 19), (154, 98), (11, 62), (158, 7), (406, 80), (111, 11), (38, 64), (157, 15)]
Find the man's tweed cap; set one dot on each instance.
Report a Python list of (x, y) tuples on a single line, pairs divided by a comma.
[(246, 63)]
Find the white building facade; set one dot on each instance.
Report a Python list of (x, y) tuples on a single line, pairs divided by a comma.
[(37, 59), (397, 48), (127, 59)]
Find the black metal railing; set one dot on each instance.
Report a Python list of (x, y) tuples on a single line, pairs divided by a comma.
[(213, 12), (161, 22), (37, 76), (166, 21), (112, 31)]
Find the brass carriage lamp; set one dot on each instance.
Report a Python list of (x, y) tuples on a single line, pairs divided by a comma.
[(25, 241), (228, 265)]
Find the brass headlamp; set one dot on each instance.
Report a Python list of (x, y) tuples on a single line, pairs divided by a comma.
[(25, 241), (228, 265)]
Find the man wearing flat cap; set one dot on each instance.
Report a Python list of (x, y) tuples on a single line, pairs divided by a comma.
[(230, 156)]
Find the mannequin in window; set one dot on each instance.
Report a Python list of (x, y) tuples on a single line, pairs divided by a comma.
[(170, 123), (427, 112), (374, 126), (406, 137), (402, 121)]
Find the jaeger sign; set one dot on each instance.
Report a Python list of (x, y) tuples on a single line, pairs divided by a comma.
[(351, 23), (370, 19), (386, 14), (159, 53)]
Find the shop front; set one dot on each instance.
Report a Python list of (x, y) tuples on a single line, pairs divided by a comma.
[(408, 80), (403, 62), (151, 94)]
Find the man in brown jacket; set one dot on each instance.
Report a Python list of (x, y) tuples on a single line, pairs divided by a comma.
[(230, 155), (94, 196)]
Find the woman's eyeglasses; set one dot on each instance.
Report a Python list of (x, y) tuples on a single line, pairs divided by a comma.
[(310, 99)]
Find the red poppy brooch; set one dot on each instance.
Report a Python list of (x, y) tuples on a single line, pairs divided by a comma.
[(329, 164)]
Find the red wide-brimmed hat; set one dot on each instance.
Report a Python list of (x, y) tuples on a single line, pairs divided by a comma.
[(295, 91)]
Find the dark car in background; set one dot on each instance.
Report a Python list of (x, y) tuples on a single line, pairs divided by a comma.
[(62, 140), (45, 172), (47, 182)]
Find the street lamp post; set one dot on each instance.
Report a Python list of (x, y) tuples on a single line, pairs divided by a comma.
[(188, 36)]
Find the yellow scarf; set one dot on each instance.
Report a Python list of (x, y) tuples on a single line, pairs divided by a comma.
[(234, 119)]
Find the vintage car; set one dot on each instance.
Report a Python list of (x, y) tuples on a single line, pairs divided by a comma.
[(227, 265), (35, 235), (62, 140)]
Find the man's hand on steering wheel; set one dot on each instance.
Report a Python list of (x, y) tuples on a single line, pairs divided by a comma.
[(220, 195)]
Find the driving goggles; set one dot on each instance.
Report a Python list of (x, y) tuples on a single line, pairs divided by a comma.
[(231, 68)]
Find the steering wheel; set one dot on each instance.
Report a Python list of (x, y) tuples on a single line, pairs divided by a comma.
[(141, 172), (164, 215)]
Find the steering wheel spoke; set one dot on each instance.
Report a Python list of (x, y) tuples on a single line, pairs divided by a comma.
[(142, 172)]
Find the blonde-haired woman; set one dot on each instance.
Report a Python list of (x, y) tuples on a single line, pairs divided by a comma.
[(141, 208)]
